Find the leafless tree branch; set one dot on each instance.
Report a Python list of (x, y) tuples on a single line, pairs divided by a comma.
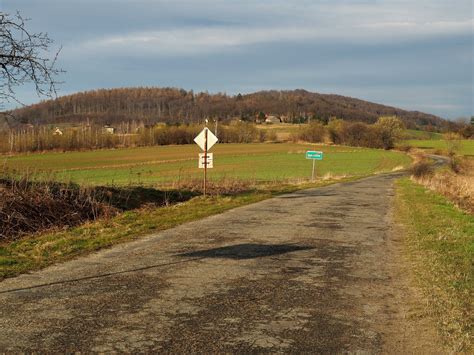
[(25, 58)]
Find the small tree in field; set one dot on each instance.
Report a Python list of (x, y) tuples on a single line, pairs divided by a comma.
[(453, 143), (389, 130)]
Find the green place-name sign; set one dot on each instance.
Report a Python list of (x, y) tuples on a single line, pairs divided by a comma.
[(312, 154)]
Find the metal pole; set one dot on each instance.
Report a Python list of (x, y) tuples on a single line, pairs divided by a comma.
[(312, 174), (205, 162)]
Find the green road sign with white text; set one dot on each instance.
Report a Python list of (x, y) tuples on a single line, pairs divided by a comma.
[(312, 154)]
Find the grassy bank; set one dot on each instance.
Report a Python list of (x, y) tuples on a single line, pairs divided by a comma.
[(38, 251), (440, 246)]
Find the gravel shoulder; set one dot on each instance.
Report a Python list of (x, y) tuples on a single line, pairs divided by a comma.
[(318, 270)]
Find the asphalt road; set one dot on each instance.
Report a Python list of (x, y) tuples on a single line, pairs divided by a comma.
[(316, 271)]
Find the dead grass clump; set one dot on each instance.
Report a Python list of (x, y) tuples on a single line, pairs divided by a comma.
[(422, 168), (225, 186), (455, 184), (404, 147)]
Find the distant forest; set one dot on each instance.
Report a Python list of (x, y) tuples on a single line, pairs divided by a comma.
[(171, 105)]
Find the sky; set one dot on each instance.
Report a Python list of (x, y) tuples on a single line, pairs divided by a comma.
[(416, 55)]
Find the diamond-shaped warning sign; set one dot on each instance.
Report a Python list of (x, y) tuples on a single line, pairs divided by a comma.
[(201, 139)]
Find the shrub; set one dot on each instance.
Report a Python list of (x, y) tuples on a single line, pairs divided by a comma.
[(455, 164), (422, 168), (453, 143), (240, 132), (404, 147), (314, 133), (270, 136), (29, 207), (335, 129), (389, 130)]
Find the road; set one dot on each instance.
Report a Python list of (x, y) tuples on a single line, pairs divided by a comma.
[(316, 271)]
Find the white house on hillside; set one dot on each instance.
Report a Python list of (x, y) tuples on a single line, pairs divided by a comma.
[(272, 119)]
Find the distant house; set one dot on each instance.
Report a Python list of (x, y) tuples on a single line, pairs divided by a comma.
[(108, 129), (57, 132), (272, 119)]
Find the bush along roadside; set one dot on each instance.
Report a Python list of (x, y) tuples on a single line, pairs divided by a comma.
[(29, 206), (455, 181)]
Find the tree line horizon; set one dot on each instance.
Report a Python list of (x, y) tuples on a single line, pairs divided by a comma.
[(153, 105)]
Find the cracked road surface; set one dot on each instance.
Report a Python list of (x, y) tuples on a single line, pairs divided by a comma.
[(311, 271)]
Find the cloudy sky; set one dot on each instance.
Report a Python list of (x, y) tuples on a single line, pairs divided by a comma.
[(417, 55)]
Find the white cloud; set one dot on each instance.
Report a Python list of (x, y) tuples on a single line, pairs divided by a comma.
[(197, 40), (201, 40), (435, 27)]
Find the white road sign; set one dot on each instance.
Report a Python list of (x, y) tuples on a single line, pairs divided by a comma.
[(201, 139), (210, 160)]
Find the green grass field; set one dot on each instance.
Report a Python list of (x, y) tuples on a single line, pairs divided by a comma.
[(164, 164), (425, 135), (466, 145)]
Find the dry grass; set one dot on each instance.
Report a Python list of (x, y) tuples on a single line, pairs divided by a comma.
[(456, 184), (28, 207), (224, 186), (422, 169)]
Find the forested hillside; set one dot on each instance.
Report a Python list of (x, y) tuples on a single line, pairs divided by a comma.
[(171, 105)]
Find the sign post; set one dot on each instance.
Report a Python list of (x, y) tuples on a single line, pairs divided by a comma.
[(314, 155), (206, 139), (205, 162)]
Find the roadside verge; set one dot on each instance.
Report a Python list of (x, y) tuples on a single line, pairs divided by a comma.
[(439, 246)]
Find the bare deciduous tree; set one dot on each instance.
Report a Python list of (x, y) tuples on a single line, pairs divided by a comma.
[(25, 58)]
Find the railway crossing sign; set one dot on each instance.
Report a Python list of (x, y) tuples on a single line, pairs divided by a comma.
[(314, 155), (206, 161), (205, 140), (201, 139)]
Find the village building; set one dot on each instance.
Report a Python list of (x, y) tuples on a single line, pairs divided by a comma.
[(108, 129), (272, 119)]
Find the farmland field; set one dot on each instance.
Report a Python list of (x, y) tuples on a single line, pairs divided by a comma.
[(283, 131), (425, 135), (466, 146), (164, 164)]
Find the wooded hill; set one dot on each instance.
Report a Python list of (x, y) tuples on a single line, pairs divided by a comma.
[(171, 105)]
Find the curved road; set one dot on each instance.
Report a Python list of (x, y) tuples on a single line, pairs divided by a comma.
[(313, 271)]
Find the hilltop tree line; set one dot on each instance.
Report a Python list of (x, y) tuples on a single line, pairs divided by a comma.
[(171, 105)]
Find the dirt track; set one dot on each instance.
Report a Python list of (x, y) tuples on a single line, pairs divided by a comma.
[(314, 271)]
